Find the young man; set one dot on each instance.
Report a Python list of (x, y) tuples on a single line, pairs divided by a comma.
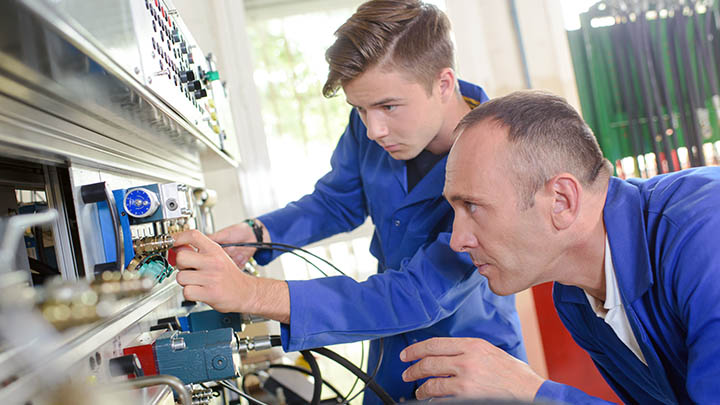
[(394, 61), (636, 263)]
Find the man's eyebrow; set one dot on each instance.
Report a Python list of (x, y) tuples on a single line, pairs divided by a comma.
[(387, 100), (463, 197)]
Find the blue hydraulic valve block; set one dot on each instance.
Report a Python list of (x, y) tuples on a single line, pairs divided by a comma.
[(211, 319), (196, 357)]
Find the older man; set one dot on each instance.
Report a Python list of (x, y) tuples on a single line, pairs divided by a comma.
[(636, 263)]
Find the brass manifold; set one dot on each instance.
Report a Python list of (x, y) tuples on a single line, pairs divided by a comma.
[(153, 244)]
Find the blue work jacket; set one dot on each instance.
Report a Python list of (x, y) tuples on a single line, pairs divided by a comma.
[(424, 289), (665, 243)]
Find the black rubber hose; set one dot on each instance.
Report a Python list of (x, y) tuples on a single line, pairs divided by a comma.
[(381, 344), (701, 47), (275, 340), (627, 97), (696, 100), (642, 74), (711, 30), (308, 372), (664, 86), (653, 70), (377, 389), (317, 377), (688, 126)]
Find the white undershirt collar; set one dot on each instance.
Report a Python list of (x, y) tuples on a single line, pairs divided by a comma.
[(612, 310)]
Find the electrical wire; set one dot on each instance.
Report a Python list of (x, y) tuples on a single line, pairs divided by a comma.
[(318, 381), (282, 247), (372, 376), (377, 389), (242, 394), (308, 261)]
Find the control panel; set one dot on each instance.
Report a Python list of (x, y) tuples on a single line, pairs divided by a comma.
[(173, 64), (150, 41), (136, 225)]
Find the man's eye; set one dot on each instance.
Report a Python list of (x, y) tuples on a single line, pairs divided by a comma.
[(470, 207), (389, 107)]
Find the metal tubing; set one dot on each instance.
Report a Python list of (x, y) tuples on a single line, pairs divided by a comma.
[(150, 381), (14, 233)]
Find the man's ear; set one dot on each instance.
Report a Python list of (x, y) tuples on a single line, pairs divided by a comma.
[(566, 191), (446, 83)]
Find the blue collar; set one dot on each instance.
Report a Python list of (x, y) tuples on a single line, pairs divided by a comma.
[(625, 225)]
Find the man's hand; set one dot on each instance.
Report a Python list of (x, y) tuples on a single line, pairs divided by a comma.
[(473, 368), (239, 233), (209, 275)]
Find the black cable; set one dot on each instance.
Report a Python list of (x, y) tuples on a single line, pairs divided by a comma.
[(660, 91), (634, 35), (282, 247), (308, 372), (289, 248), (275, 340), (377, 389), (687, 123), (242, 394), (317, 377), (695, 89), (627, 96), (281, 250), (374, 373), (242, 382)]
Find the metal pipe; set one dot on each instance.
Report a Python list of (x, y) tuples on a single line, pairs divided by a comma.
[(14, 231), (150, 381), (521, 46)]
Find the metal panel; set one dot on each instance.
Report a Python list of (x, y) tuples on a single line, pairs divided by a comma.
[(64, 249), (71, 351)]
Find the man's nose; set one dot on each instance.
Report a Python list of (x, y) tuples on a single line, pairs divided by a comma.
[(461, 238), (376, 127)]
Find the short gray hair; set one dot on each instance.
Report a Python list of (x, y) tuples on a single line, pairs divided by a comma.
[(547, 136)]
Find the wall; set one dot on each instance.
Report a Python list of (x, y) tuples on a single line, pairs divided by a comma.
[(489, 51)]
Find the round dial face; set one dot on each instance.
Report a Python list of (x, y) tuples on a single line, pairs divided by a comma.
[(141, 202)]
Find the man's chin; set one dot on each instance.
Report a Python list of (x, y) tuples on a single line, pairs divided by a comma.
[(498, 289), (401, 155)]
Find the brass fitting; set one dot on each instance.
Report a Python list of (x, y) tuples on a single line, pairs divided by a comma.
[(153, 244)]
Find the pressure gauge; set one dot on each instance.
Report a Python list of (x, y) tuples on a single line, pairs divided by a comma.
[(141, 202)]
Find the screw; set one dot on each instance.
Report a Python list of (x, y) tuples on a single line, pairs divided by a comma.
[(177, 344)]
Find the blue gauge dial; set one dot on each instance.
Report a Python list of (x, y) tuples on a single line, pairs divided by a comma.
[(140, 202)]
